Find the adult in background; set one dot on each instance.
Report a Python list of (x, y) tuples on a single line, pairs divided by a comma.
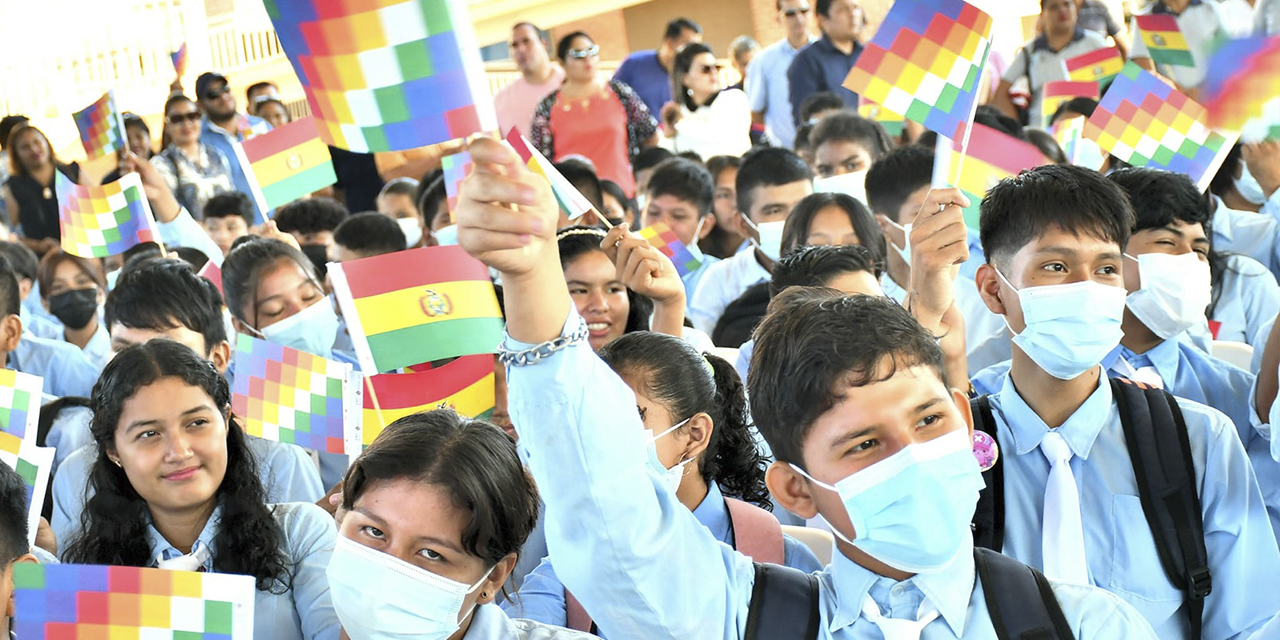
[(823, 65), (766, 83), (7, 125), (194, 169), (649, 72), (517, 101), (704, 118), (601, 120), (29, 193), (1042, 60), (743, 49), (1202, 26), (223, 126), (1095, 16)]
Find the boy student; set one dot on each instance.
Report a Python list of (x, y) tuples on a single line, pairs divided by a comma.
[(680, 193), (365, 235), (35, 318), (769, 184), (1054, 239), (227, 216), (839, 385), (161, 298), (13, 540)]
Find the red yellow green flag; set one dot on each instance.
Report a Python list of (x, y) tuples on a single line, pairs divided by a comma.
[(464, 385), (1100, 66), (1164, 40), (287, 163), (993, 156)]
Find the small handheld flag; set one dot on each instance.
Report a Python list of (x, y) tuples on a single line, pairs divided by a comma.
[(103, 221), (1056, 92), (213, 273), (19, 408), (1164, 40), (661, 237), (1243, 83), (992, 157), (456, 168), (1079, 150), (1100, 66), (101, 127), (286, 163), (465, 385), (33, 465), (572, 202), (179, 58)]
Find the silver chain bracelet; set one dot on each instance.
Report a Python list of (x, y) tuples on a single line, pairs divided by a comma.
[(535, 353)]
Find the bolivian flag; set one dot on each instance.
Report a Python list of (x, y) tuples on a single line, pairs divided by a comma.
[(993, 156), (1100, 66), (1056, 92), (1164, 40), (572, 203), (464, 385), (286, 163), (416, 306)]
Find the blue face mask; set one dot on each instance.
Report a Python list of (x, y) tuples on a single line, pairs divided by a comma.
[(313, 329), (1070, 328), (1248, 186), (911, 510)]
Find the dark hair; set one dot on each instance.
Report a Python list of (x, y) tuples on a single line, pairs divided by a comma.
[(532, 26), (10, 299), (192, 256), (159, 294), (815, 266), (847, 126), (264, 101), (650, 158), (897, 175), (1047, 145), (7, 125), (817, 103), (583, 177), (430, 194), (684, 180), (802, 138), (767, 167), (1077, 200), (578, 240), (175, 99), (472, 460), (1082, 106), (716, 164), (13, 516), (243, 267), (54, 258), (113, 525), (370, 234), (22, 259), (688, 383), (678, 26), (310, 215), (566, 43), (1225, 179), (796, 228), (815, 341), (135, 120), (615, 191), (823, 8), (680, 68), (15, 164), (228, 204), (254, 88)]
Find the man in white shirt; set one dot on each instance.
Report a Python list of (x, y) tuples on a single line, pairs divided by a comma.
[(1042, 60), (516, 102), (766, 83)]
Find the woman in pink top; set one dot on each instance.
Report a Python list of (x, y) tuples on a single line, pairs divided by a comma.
[(603, 120)]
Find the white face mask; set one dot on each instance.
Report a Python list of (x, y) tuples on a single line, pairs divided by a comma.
[(904, 252), (770, 242), (851, 184), (313, 329), (1175, 292), (1248, 186), (380, 597), (670, 477), (412, 231)]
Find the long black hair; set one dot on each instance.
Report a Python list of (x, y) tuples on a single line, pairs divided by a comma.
[(578, 240), (243, 268), (113, 526), (796, 229), (686, 383)]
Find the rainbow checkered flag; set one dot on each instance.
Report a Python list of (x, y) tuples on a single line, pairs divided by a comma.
[(456, 168), (664, 239), (1147, 123), (386, 75), (33, 464), (101, 127), (103, 221), (66, 601), (20, 395), (179, 59), (925, 63), (1242, 89), (292, 396)]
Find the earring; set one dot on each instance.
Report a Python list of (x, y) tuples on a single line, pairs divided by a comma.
[(484, 594), (117, 463)]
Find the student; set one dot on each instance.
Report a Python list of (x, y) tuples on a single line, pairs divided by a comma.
[(726, 237), (176, 486), (437, 511), (227, 217), (73, 289), (397, 200), (1053, 239), (642, 167), (605, 512), (1236, 226), (846, 143), (618, 206), (770, 182), (66, 370), (433, 202), (13, 540), (160, 298), (312, 222), (365, 235), (702, 448), (680, 194), (35, 318)]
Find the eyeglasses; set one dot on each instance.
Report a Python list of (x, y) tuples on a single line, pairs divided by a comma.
[(579, 54), (179, 118), (791, 13), (214, 94)]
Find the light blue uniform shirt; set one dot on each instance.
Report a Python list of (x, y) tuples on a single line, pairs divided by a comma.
[(769, 92), (491, 623), (692, 278), (1248, 234), (68, 433), (66, 370), (1119, 546), (644, 566), (38, 325), (1248, 298), (304, 612)]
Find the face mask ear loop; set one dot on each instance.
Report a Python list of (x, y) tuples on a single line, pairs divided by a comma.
[(754, 241), (834, 531)]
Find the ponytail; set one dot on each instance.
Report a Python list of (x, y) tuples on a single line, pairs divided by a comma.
[(732, 459)]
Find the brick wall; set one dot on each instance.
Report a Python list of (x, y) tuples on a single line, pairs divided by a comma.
[(609, 30)]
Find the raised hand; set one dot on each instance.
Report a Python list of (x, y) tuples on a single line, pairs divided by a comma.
[(939, 244), (506, 214)]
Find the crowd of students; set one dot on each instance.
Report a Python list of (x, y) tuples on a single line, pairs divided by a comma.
[(857, 417)]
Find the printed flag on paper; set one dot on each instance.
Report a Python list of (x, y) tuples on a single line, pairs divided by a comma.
[(101, 127), (571, 201), (992, 157), (103, 221), (91, 601), (464, 385), (1243, 83), (1079, 150), (664, 239), (1147, 123), (20, 395), (386, 75), (179, 58), (456, 168), (213, 273), (33, 464), (925, 63), (1164, 40), (286, 163), (893, 123), (1056, 92), (1100, 66), (416, 306), (292, 396)]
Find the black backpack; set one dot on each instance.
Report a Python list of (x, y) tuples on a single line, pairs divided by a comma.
[(1156, 435), (741, 317), (784, 602)]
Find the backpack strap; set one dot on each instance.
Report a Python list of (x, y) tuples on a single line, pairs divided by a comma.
[(1019, 599), (988, 518), (1156, 435), (576, 617), (756, 532), (784, 604)]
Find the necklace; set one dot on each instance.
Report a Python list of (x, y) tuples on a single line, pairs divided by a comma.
[(47, 193)]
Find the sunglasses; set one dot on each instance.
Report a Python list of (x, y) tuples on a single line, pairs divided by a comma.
[(791, 13), (179, 118), (709, 69), (214, 94), (589, 52)]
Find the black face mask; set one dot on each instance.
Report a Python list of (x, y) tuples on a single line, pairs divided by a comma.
[(319, 256), (74, 308)]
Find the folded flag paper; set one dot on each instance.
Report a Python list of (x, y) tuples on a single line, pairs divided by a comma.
[(665, 240), (90, 601), (464, 385), (893, 123), (456, 168), (287, 163), (416, 306), (19, 408), (386, 75), (292, 396), (1079, 150), (1243, 83), (1164, 40), (571, 201), (179, 58), (992, 157), (1147, 123), (1056, 92), (925, 63), (33, 465), (101, 127), (1099, 65), (103, 221)]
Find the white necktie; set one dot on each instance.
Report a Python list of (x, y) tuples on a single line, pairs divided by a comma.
[(899, 628), (1146, 374), (193, 561), (1063, 540)]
